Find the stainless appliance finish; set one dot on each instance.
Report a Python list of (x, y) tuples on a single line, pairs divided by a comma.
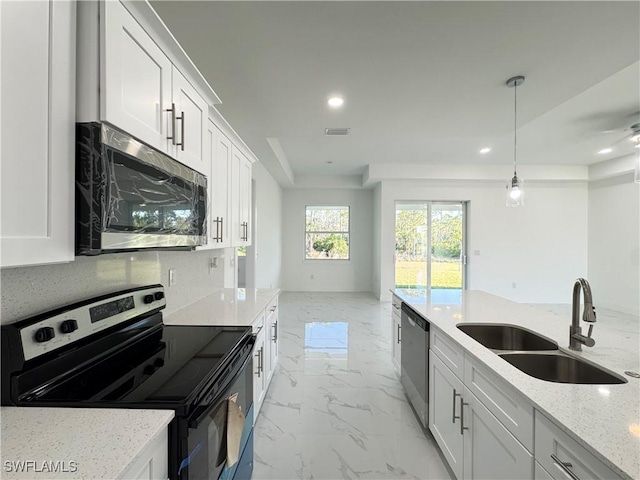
[(130, 196), (414, 368), (576, 339)]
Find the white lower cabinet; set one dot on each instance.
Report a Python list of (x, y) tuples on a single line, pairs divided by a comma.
[(265, 352), (490, 451), (153, 461), (540, 473), (445, 393), (259, 377), (473, 440), (561, 457)]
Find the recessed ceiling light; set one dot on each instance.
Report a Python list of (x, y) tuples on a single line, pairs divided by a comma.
[(335, 102), (485, 150), (604, 151)]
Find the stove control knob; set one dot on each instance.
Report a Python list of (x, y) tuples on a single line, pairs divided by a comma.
[(149, 369), (159, 362), (44, 334), (148, 299), (68, 326), (158, 295)]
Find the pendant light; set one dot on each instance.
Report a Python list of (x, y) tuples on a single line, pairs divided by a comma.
[(515, 186), (635, 136)]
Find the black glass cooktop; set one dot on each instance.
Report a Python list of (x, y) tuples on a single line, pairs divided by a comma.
[(166, 367)]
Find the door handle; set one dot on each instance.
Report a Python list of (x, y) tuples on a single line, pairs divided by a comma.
[(454, 416), (462, 427), (173, 123), (181, 144)]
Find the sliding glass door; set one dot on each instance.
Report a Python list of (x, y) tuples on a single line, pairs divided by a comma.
[(430, 249)]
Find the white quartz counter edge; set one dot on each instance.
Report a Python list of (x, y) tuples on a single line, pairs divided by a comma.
[(227, 306), (101, 443), (601, 418)]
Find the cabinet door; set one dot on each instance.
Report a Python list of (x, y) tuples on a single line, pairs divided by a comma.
[(490, 450), (241, 199), (191, 117), (273, 333), (219, 184), (245, 199), (445, 393), (396, 334), (136, 83), (259, 380), (38, 131)]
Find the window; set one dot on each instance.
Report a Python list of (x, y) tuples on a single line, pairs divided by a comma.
[(327, 233)]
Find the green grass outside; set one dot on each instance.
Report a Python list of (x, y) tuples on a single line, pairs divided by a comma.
[(412, 274)]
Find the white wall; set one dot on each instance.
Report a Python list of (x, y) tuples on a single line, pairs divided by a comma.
[(267, 223), (30, 290), (377, 236), (614, 240), (541, 247), (352, 275)]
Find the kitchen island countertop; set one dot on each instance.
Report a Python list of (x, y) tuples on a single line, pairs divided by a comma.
[(605, 419)]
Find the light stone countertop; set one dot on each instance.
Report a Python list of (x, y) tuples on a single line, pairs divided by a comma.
[(227, 306), (605, 419), (101, 442)]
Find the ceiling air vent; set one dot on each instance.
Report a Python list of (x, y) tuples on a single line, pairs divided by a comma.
[(336, 132)]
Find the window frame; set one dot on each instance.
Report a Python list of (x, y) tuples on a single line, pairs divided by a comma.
[(347, 232)]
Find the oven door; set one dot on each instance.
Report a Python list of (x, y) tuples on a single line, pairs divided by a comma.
[(210, 434)]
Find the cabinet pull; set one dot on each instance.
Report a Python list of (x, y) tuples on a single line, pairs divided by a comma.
[(258, 330), (262, 359), (462, 427), (181, 144), (275, 332), (398, 334), (258, 368), (454, 416), (396, 306), (173, 123), (221, 228), (566, 466)]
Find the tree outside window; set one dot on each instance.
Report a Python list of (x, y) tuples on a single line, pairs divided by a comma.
[(327, 233)]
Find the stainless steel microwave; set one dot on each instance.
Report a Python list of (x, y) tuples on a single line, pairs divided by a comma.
[(130, 196)]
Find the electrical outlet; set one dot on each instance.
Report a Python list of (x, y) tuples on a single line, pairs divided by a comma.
[(172, 277)]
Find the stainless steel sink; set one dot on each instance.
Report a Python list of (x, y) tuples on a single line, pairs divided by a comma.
[(561, 368), (498, 336)]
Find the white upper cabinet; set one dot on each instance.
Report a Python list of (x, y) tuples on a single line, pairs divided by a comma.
[(191, 116), (144, 94), (136, 83), (220, 187), (241, 204), (38, 131)]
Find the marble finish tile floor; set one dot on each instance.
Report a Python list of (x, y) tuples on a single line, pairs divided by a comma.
[(335, 408)]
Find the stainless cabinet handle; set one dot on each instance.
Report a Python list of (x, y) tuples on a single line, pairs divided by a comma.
[(462, 427), (454, 416), (181, 118), (173, 123), (258, 369), (275, 332), (396, 306), (566, 466), (221, 228), (262, 359), (398, 334), (217, 222), (259, 330)]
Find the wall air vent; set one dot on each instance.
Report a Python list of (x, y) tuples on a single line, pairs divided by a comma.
[(336, 132)]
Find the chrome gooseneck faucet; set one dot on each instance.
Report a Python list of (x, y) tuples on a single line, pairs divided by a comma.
[(576, 339)]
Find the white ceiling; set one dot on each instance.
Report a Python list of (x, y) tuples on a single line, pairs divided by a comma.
[(423, 82)]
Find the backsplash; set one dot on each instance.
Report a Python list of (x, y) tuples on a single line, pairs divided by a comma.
[(27, 291)]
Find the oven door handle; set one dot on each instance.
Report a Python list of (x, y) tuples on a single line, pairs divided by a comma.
[(205, 410)]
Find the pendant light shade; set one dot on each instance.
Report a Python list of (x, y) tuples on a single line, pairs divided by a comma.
[(515, 186)]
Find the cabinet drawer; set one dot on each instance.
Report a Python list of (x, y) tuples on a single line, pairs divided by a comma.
[(396, 303), (448, 351), (551, 441), (540, 473), (513, 411), (258, 324), (272, 308)]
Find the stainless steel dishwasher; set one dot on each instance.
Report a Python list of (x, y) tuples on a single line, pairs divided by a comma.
[(414, 360)]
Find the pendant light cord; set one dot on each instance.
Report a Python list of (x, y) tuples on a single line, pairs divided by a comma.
[(515, 127)]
